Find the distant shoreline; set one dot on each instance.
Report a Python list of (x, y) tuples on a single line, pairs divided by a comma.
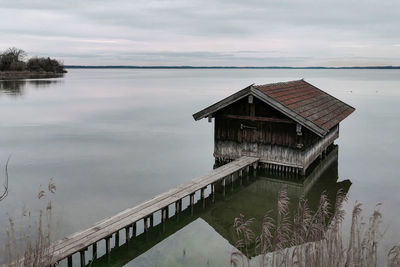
[(219, 67), (20, 75)]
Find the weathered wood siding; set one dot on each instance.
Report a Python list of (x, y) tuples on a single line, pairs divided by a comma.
[(275, 154), (258, 130), (248, 123)]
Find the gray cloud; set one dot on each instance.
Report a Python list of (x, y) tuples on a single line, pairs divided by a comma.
[(201, 32)]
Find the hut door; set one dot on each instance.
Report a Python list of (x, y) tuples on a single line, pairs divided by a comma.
[(249, 144)]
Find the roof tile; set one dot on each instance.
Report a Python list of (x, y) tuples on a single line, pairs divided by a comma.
[(309, 102)]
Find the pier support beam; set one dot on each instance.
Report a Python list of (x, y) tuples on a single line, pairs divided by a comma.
[(145, 224), (178, 206), (164, 215), (83, 260), (108, 245), (69, 264), (213, 192), (133, 229), (94, 251), (127, 234), (223, 186), (191, 203), (203, 199), (116, 243), (255, 165)]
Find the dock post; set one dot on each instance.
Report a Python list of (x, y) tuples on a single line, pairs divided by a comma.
[(151, 220), (94, 251), (223, 186), (241, 180), (255, 168), (116, 239), (133, 229), (166, 212), (191, 203), (163, 217), (213, 192), (177, 207), (83, 260), (108, 244), (69, 261), (231, 182), (203, 199), (126, 234), (145, 225)]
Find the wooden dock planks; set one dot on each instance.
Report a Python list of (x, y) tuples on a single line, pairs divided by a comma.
[(81, 240)]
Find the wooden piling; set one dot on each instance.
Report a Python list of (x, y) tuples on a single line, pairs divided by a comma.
[(116, 243), (213, 192), (203, 199), (191, 202), (133, 229), (108, 248), (69, 260), (83, 260), (177, 209), (127, 234), (94, 251), (164, 215), (145, 224), (151, 220)]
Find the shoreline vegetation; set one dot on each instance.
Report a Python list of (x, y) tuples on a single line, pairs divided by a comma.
[(15, 65), (221, 67)]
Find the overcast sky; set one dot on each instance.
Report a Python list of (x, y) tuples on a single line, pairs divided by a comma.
[(205, 32)]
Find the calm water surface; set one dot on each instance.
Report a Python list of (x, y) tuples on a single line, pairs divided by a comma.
[(114, 138)]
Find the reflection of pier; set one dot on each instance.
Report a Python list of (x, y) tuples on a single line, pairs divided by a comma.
[(253, 199)]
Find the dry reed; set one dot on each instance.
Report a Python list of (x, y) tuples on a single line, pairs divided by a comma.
[(310, 238), (30, 245)]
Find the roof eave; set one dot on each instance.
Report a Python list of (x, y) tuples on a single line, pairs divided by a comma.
[(265, 98), (221, 104)]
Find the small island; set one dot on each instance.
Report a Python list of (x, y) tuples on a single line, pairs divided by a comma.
[(13, 65)]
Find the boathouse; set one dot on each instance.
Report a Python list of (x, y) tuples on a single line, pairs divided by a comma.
[(288, 125)]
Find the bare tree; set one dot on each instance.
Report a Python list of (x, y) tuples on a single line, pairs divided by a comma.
[(15, 53)]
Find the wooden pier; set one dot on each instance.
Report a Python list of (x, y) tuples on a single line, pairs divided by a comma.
[(127, 219)]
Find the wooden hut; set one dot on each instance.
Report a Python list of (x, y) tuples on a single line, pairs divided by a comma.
[(287, 125)]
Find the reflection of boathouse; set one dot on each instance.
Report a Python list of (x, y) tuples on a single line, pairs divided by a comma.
[(254, 199), (287, 125)]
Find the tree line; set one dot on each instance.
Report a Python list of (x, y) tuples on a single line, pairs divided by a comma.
[(14, 59)]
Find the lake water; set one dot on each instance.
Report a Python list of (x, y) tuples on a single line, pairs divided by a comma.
[(114, 138)]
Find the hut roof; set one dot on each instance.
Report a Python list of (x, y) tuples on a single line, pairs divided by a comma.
[(299, 100)]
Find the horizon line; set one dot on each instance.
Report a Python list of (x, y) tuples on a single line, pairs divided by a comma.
[(221, 67)]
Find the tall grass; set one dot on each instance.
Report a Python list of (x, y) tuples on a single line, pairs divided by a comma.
[(311, 238), (29, 245)]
